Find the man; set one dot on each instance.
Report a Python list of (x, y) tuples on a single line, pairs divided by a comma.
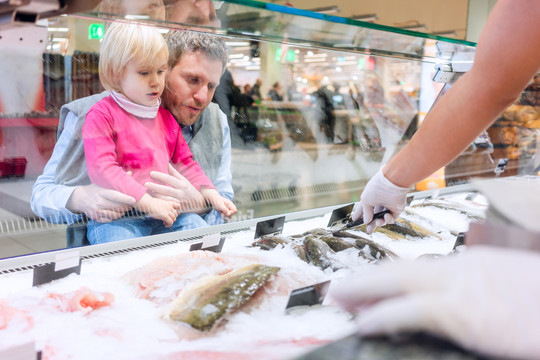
[(63, 192)]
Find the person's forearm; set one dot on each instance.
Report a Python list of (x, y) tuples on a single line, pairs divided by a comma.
[(50, 203), (507, 57), (452, 124)]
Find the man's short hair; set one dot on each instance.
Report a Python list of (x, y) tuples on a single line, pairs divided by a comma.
[(124, 42), (181, 42)]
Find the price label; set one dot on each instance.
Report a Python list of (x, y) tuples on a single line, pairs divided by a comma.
[(211, 242), (272, 226), (23, 351), (65, 264), (339, 215), (309, 295)]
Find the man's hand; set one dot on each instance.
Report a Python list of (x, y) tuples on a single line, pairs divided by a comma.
[(176, 188), (484, 299), (99, 204)]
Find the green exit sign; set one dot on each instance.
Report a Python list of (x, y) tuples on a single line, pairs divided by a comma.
[(289, 55), (96, 31)]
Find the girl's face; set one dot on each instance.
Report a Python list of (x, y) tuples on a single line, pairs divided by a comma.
[(143, 83)]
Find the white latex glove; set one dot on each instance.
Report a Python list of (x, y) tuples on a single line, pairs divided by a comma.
[(486, 299), (379, 194)]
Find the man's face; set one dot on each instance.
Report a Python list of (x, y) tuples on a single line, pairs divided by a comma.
[(190, 86), (194, 12)]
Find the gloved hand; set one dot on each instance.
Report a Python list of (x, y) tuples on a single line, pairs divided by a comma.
[(379, 194), (485, 299)]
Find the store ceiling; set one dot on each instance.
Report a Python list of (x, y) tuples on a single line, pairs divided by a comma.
[(443, 17)]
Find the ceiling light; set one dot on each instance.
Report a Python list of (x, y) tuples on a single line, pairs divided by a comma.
[(237, 43), (314, 60), (58, 29), (312, 55), (137, 17)]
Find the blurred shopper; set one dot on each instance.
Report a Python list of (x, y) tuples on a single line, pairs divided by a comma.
[(275, 93), (256, 90)]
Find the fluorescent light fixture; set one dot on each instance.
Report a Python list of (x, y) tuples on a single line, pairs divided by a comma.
[(314, 60), (57, 29), (237, 43), (366, 17), (253, 67), (137, 17), (326, 9), (236, 56), (345, 63)]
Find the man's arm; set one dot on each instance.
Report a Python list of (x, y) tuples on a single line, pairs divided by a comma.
[(49, 199), (507, 57)]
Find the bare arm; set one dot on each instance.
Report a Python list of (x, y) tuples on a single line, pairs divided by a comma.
[(507, 57)]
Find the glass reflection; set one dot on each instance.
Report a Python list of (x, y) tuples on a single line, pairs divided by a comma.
[(348, 98)]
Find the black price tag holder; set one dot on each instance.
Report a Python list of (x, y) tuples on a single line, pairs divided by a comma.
[(22, 351), (308, 296), (211, 242), (272, 226), (460, 240), (65, 264), (340, 215)]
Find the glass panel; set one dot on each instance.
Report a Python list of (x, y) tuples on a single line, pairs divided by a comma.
[(348, 95)]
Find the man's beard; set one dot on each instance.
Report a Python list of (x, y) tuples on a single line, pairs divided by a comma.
[(178, 110)]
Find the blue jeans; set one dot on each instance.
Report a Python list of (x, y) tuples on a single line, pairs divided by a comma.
[(129, 227), (212, 217)]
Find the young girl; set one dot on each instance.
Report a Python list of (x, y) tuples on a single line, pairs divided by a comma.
[(127, 134)]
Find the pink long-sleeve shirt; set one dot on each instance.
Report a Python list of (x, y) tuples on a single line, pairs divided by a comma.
[(116, 141)]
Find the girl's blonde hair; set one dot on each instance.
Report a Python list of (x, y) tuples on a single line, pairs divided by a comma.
[(126, 41)]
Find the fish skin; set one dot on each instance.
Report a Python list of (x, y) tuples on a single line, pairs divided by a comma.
[(400, 229), (336, 243), (319, 253), (361, 242), (212, 297), (271, 242)]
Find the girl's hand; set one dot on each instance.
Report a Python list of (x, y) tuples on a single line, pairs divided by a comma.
[(224, 206), (164, 210)]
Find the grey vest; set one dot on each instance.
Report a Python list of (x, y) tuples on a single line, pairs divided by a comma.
[(207, 142), (71, 169), (206, 145)]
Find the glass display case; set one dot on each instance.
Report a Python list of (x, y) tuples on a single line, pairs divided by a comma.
[(315, 104)]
